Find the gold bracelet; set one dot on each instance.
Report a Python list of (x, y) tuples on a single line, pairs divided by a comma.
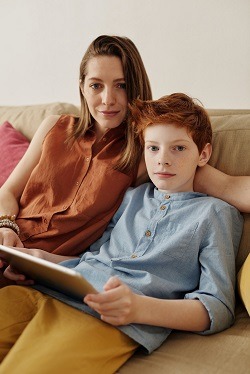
[(10, 218)]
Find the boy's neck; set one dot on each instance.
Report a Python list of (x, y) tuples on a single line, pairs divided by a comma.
[(169, 192)]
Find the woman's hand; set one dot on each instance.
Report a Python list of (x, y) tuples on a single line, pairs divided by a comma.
[(9, 238), (116, 305), (13, 274)]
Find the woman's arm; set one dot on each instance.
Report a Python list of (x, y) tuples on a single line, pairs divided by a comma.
[(12, 189), (233, 189)]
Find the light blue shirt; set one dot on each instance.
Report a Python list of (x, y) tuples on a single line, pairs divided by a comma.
[(177, 246)]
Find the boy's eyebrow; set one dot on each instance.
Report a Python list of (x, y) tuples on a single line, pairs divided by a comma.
[(172, 141)]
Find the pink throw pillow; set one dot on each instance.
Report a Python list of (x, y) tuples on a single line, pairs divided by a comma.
[(13, 145)]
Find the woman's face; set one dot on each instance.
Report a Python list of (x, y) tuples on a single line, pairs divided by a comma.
[(104, 90)]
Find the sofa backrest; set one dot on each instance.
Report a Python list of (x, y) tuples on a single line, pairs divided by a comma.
[(27, 118), (231, 154)]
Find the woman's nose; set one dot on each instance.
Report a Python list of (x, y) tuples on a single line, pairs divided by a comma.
[(108, 97)]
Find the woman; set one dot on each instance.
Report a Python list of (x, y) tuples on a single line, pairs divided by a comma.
[(76, 170)]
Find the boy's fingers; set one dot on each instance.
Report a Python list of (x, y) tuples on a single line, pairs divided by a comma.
[(113, 282)]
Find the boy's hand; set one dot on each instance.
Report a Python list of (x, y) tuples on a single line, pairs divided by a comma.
[(116, 305)]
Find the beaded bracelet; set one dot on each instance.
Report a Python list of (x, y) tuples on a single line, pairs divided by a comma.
[(9, 222)]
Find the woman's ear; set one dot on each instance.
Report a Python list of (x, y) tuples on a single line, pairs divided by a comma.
[(205, 154), (81, 86)]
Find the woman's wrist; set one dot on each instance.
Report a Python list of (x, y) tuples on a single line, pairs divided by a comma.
[(8, 221)]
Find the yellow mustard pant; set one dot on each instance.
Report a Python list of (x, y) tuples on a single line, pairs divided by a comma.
[(41, 335)]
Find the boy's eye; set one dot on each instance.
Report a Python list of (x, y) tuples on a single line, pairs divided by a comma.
[(179, 148), (153, 148)]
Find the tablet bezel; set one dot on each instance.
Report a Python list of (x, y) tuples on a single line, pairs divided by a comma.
[(49, 274)]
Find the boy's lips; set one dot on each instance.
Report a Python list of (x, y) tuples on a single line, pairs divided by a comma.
[(162, 174)]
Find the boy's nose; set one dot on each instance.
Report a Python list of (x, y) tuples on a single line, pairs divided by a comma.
[(164, 159), (164, 163)]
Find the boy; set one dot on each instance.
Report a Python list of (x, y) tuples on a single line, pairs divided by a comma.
[(166, 261)]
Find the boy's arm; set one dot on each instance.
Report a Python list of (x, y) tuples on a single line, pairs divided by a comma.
[(233, 189), (120, 306)]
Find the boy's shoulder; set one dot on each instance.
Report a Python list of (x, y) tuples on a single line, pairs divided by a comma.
[(216, 203), (142, 189), (213, 206), (138, 193)]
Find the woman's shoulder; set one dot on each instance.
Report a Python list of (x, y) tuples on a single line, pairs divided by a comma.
[(55, 123), (63, 120)]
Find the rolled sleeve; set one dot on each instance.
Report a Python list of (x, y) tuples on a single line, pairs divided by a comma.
[(217, 263)]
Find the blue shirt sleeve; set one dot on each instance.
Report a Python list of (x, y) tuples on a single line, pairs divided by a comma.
[(217, 263)]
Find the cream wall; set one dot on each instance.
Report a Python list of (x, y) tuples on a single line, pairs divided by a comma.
[(201, 47)]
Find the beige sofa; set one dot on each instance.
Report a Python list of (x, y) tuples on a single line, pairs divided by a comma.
[(228, 351)]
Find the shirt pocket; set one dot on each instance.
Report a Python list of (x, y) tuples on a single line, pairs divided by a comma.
[(177, 239), (33, 225)]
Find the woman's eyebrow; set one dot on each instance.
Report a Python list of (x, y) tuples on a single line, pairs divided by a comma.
[(101, 80)]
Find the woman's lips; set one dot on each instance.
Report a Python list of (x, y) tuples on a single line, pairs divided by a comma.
[(109, 113)]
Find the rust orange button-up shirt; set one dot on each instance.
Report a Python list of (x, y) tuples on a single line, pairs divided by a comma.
[(72, 193)]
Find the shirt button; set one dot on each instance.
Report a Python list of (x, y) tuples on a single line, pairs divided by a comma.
[(163, 207), (77, 183), (65, 207), (87, 159), (167, 197), (133, 255), (148, 233), (45, 220)]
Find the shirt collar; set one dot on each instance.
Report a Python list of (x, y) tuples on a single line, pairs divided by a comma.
[(177, 196)]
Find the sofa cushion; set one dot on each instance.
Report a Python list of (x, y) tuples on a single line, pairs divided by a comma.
[(244, 284), (27, 118), (188, 353), (13, 145)]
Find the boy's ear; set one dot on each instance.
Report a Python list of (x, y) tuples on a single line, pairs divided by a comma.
[(205, 154)]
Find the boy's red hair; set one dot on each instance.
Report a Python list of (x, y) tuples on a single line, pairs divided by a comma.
[(175, 109)]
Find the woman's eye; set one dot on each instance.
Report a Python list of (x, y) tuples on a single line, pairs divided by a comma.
[(179, 148), (95, 86), (122, 85)]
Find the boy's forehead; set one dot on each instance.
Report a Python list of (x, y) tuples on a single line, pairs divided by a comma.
[(166, 130)]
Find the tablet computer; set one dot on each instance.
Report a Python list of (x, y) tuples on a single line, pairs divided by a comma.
[(51, 275)]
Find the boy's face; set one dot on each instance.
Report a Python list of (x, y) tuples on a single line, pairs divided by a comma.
[(172, 157)]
